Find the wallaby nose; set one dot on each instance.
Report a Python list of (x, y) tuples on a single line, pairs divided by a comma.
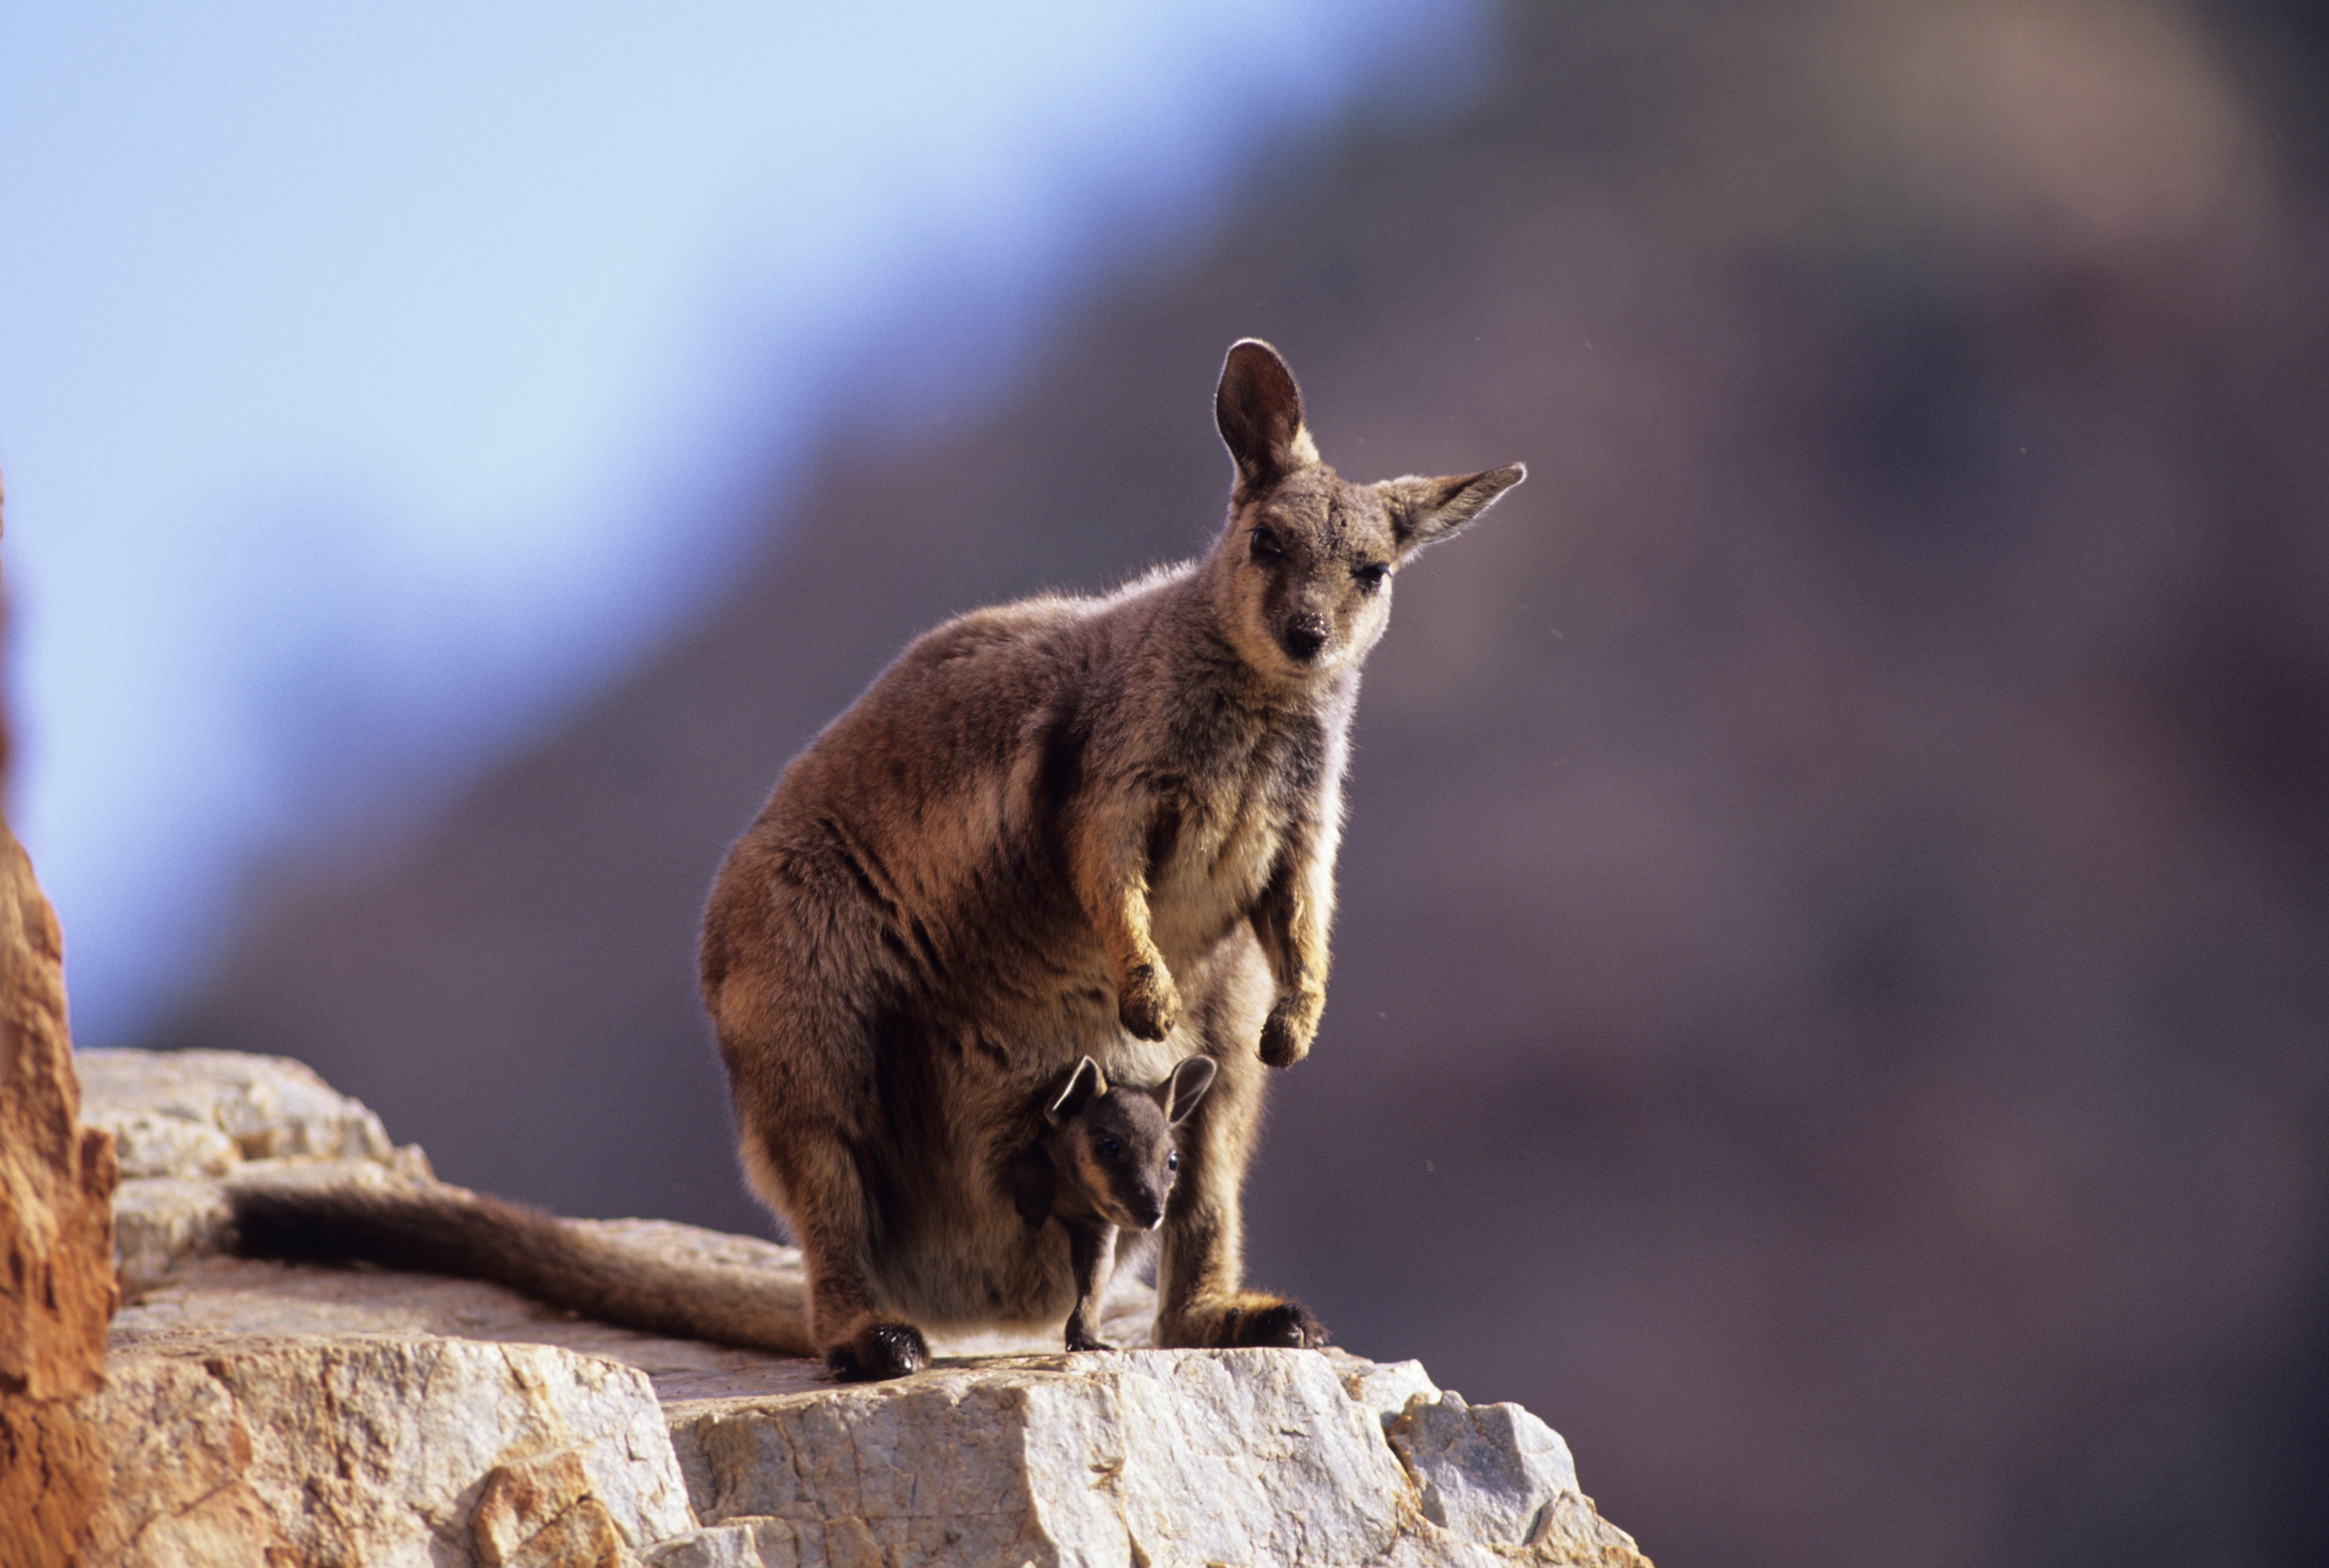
[(1150, 1215), (1304, 636)]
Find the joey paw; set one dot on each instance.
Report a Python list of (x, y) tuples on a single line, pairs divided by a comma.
[(1149, 1005), (1080, 1342)]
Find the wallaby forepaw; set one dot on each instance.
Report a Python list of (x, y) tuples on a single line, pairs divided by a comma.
[(1292, 1024), (878, 1350), (1149, 1005), (1078, 1342)]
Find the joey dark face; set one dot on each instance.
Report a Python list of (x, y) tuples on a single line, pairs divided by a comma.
[(1113, 1151), (1124, 1159), (1303, 570)]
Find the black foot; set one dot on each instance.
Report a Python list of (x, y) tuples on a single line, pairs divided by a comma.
[(879, 1350), (1289, 1324)]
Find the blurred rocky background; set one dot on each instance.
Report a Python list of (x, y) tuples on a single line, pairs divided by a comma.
[(1830, 1002)]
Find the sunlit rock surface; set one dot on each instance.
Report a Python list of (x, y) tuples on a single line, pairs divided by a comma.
[(361, 1415)]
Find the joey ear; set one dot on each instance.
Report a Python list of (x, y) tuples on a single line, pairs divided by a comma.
[(1085, 1084), (1426, 511), (1259, 411), (1187, 1086)]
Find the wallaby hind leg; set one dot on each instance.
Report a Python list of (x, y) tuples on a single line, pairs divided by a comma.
[(800, 1075), (785, 946), (817, 1189), (1200, 1297)]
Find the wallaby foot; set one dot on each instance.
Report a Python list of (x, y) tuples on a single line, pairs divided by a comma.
[(1082, 1335), (877, 1351), (1289, 1324), (1251, 1319)]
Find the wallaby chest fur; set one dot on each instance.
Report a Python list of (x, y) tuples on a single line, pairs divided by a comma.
[(1061, 829)]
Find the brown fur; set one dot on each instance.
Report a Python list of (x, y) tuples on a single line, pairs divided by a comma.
[(1059, 829)]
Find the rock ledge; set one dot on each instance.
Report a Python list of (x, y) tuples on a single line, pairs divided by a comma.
[(262, 1413)]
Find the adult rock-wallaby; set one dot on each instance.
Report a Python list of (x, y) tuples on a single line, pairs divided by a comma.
[(1055, 829), (1059, 829), (1105, 1166)]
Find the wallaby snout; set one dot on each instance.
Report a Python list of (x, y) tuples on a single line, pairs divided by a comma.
[(1305, 635), (1135, 1194)]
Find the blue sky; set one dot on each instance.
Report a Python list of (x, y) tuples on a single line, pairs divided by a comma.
[(376, 380)]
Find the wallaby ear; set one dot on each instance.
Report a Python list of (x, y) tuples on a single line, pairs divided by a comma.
[(1085, 1084), (1259, 411), (1189, 1080), (1426, 511)]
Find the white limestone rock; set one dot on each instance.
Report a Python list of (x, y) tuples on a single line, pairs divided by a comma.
[(161, 1107), (1256, 1457), (159, 1222), (184, 1121), (379, 1449), (1384, 1387), (153, 1143), (1488, 1472)]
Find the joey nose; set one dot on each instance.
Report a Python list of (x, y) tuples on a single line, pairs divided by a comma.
[(1304, 636)]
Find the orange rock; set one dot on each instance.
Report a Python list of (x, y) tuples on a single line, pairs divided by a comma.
[(57, 1285)]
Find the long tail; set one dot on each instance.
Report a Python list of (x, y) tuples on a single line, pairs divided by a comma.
[(449, 1230)]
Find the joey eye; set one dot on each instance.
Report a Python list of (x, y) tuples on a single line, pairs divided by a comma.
[(1265, 545), (1371, 576), (1109, 1148), (1173, 1161)]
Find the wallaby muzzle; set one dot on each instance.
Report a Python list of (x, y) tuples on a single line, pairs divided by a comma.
[(1304, 636)]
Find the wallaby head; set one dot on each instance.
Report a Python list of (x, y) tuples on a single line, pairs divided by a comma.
[(1303, 568), (1113, 1147)]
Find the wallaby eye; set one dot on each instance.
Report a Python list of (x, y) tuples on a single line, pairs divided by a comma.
[(1109, 1148), (1266, 546), (1173, 1161), (1371, 576)]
